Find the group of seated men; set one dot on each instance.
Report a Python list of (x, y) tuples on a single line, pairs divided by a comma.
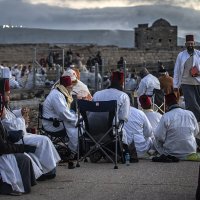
[(171, 135), (145, 128)]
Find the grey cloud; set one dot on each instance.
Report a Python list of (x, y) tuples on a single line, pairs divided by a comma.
[(17, 12)]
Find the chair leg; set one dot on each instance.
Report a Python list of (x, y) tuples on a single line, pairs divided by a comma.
[(78, 153), (116, 143)]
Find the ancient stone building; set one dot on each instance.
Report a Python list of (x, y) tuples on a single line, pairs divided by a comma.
[(161, 35)]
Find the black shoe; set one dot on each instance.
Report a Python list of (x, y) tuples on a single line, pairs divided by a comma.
[(134, 160), (41, 178), (173, 158), (162, 158), (51, 176), (15, 193), (71, 165)]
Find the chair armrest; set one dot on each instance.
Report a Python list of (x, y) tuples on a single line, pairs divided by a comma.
[(120, 125), (79, 122)]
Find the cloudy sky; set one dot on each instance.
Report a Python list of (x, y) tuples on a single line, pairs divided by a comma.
[(101, 14)]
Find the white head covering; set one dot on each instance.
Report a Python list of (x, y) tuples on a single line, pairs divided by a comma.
[(71, 73)]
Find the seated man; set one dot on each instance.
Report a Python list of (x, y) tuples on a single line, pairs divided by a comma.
[(79, 88), (19, 175), (115, 92), (58, 105), (147, 84), (153, 116), (175, 133), (45, 154), (139, 130)]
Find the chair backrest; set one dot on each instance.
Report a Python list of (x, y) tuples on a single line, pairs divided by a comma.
[(98, 116), (158, 100)]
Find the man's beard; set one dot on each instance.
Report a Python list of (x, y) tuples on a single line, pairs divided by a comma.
[(190, 50)]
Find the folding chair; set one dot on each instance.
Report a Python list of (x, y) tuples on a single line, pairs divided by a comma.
[(99, 132), (158, 101), (59, 138)]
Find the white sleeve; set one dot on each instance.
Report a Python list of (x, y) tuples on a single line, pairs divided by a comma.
[(141, 89), (176, 78), (124, 108), (160, 132), (17, 123), (62, 110), (147, 128)]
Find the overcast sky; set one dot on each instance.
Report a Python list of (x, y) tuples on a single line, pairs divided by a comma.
[(101, 14)]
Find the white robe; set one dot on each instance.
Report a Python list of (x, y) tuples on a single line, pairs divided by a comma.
[(175, 134), (55, 106), (123, 104), (123, 101), (153, 117), (139, 129), (10, 173), (45, 153), (147, 84), (179, 66)]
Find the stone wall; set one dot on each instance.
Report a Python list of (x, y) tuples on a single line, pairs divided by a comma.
[(25, 54)]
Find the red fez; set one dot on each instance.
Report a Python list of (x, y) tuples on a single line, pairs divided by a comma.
[(65, 81), (118, 77), (7, 85), (4, 85), (145, 101), (171, 99), (189, 38)]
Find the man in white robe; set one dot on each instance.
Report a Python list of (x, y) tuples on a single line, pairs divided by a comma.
[(114, 92), (187, 76), (175, 133), (153, 116), (19, 175), (147, 84), (79, 88), (57, 105), (139, 130), (45, 155)]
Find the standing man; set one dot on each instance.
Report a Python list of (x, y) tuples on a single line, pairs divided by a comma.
[(187, 76)]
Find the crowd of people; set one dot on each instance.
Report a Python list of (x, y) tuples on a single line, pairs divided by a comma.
[(167, 137)]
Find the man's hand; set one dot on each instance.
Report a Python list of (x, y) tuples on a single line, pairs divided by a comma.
[(24, 111)]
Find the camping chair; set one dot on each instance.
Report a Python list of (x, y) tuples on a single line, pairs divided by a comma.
[(99, 132), (158, 101), (59, 138)]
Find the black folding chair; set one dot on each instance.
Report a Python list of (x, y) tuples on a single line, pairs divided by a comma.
[(59, 138), (158, 101), (99, 131)]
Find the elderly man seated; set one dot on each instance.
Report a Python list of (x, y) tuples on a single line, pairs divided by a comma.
[(58, 105), (17, 170), (79, 88), (45, 153), (115, 92), (175, 133)]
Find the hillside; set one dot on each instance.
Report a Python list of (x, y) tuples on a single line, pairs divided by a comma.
[(120, 38)]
